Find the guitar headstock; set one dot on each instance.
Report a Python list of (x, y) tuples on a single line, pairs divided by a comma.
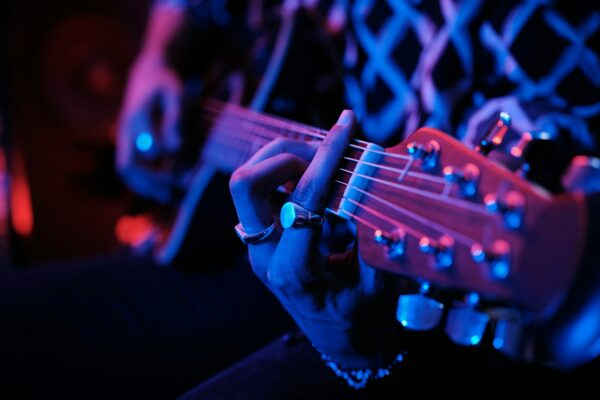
[(439, 212)]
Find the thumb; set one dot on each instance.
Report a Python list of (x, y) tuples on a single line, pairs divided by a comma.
[(172, 99)]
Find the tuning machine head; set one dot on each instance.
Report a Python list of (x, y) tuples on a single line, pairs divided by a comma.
[(510, 205), (495, 134), (442, 250), (428, 154), (419, 312), (394, 241), (541, 159), (583, 174), (467, 178), (497, 258), (466, 324), (511, 336)]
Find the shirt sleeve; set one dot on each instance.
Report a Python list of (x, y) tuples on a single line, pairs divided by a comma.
[(540, 64)]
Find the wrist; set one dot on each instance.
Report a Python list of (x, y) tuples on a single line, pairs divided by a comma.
[(372, 348), (358, 378), (166, 20), (151, 57)]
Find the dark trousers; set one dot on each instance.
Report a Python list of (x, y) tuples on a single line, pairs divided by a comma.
[(122, 327), (289, 368)]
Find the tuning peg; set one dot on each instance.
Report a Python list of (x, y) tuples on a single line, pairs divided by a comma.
[(465, 324), (542, 159), (510, 334), (510, 205), (583, 174), (497, 258), (419, 312), (394, 241), (495, 134), (442, 250), (428, 153), (467, 178)]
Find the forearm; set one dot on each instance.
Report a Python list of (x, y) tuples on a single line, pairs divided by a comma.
[(165, 22), (366, 333), (357, 347), (572, 335)]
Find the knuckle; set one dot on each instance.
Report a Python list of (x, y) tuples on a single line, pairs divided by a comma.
[(276, 279), (287, 159), (305, 190), (259, 271), (328, 141), (332, 142), (240, 182), (282, 144), (125, 169), (280, 141)]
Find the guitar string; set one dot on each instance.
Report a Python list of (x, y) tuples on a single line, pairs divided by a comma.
[(291, 127), (407, 229), (267, 138), (267, 132), (419, 175), (439, 197), (456, 202), (467, 241), (375, 165), (319, 136), (252, 140), (424, 221)]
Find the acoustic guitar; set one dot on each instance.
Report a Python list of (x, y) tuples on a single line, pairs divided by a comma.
[(482, 247), (484, 251)]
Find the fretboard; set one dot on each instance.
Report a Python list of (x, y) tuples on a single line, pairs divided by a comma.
[(235, 133)]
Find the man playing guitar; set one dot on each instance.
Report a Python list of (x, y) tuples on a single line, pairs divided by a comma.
[(447, 65)]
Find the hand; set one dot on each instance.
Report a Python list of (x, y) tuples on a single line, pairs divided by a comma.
[(152, 86), (346, 309)]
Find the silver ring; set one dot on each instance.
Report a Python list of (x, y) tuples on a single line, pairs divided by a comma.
[(293, 215), (252, 238), (144, 142)]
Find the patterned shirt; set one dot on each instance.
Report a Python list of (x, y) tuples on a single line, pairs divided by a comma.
[(453, 64)]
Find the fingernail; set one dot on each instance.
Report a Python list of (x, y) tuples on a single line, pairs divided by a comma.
[(345, 118)]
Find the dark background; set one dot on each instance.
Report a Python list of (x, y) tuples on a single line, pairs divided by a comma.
[(67, 65), (81, 315)]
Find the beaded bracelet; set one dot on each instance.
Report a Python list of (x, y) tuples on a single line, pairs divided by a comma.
[(358, 378)]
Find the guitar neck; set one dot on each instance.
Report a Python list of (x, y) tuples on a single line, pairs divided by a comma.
[(431, 209), (236, 133)]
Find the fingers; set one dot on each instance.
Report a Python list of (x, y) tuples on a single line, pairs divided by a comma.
[(304, 150), (147, 183), (313, 187), (251, 188), (151, 184), (297, 260), (132, 124), (171, 99), (139, 142)]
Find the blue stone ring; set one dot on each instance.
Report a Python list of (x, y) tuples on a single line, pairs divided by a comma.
[(144, 142), (293, 215)]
